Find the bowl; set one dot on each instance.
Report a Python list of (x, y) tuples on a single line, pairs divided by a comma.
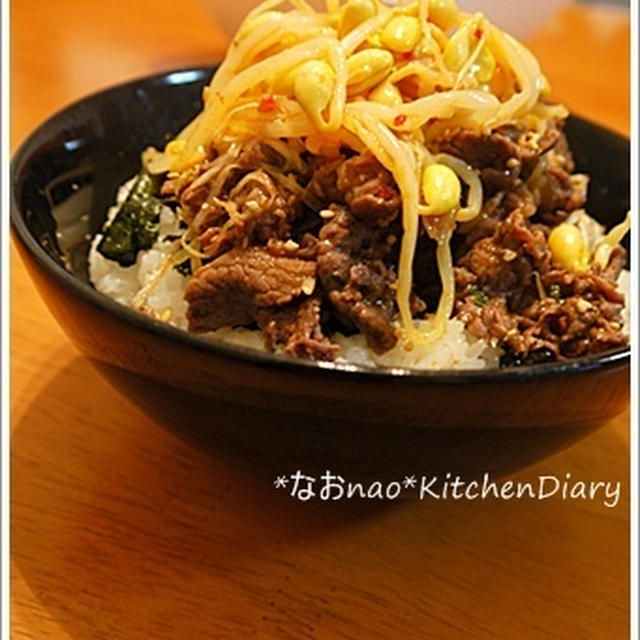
[(275, 412)]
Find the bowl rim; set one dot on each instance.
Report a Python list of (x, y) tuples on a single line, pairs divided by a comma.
[(331, 370)]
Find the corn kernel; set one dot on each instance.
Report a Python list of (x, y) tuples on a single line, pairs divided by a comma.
[(441, 189), (313, 87), (355, 12), (568, 247), (367, 68), (443, 13), (401, 34)]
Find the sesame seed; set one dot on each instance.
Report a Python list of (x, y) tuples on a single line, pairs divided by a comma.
[(583, 305), (308, 285)]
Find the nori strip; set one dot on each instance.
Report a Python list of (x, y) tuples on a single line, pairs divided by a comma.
[(135, 227)]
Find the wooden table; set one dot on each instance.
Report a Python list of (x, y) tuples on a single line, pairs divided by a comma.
[(120, 530)]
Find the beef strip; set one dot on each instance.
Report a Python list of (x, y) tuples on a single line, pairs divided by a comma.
[(323, 184), (297, 327), (565, 328), (357, 247), (504, 267), (305, 249), (490, 321), (257, 269), (362, 184), (261, 208), (263, 264), (505, 264), (507, 148), (519, 169), (244, 286), (229, 290), (556, 189), (264, 211), (359, 285), (503, 294), (571, 327), (215, 177), (494, 210), (368, 190), (255, 154)]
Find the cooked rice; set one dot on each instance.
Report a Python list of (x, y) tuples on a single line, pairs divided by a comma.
[(457, 349)]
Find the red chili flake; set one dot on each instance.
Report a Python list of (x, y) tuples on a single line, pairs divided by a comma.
[(384, 192), (478, 33), (408, 55), (267, 104), (400, 120)]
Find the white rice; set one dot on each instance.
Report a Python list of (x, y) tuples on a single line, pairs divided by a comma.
[(122, 283), (457, 349)]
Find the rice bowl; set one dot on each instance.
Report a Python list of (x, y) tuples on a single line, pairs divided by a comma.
[(457, 349), (387, 186)]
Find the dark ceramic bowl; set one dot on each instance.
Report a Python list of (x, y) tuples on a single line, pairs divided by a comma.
[(286, 413)]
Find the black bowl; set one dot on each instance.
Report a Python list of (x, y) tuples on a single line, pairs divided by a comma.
[(284, 412)]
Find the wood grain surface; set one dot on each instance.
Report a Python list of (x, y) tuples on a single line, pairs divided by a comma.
[(119, 530)]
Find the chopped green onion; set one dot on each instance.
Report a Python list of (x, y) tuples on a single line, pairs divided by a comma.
[(479, 296)]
